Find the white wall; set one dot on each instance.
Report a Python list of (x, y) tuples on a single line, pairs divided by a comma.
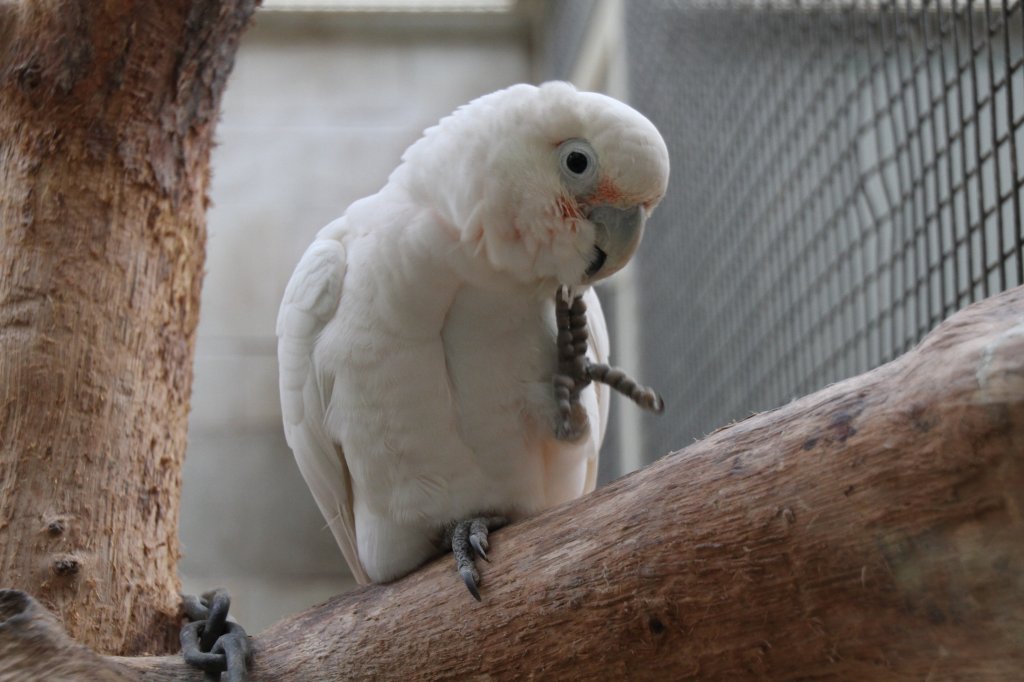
[(316, 114)]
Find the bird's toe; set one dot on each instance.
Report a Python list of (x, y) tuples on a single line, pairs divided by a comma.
[(468, 539)]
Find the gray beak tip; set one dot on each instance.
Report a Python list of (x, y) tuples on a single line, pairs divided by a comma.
[(617, 235)]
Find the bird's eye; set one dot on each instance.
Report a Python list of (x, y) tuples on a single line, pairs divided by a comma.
[(577, 162)]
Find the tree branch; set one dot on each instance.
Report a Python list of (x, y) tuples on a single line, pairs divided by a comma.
[(34, 646), (10, 13), (868, 531), (8, 17)]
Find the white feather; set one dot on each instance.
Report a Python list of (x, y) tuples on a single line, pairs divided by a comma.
[(310, 300)]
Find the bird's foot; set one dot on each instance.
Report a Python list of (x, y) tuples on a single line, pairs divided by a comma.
[(617, 379), (572, 376), (572, 422), (576, 371), (573, 334), (466, 539)]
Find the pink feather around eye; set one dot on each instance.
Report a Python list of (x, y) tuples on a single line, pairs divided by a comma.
[(568, 208), (607, 193)]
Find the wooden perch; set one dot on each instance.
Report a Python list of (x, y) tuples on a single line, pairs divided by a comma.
[(34, 646), (872, 530)]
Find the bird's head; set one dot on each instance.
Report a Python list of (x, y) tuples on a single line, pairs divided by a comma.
[(545, 183)]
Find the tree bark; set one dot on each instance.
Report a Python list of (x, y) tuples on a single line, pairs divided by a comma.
[(106, 118), (33, 646), (872, 531)]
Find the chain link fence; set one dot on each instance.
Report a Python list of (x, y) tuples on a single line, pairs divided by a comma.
[(845, 176)]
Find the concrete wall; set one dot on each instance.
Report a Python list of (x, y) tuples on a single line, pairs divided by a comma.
[(317, 112)]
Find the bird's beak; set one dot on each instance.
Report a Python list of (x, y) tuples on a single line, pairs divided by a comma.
[(618, 232)]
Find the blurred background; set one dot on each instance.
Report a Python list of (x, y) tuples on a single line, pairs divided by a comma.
[(845, 175)]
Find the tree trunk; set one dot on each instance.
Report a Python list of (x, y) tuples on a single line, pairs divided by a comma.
[(871, 531), (106, 118)]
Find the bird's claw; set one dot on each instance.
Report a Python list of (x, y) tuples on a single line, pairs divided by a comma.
[(576, 372), (468, 538), (617, 379), (479, 546), (471, 578)]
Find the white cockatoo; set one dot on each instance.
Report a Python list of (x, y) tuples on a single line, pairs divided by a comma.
[(428, 392)]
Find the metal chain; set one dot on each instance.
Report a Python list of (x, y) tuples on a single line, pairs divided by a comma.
[(211, 642)]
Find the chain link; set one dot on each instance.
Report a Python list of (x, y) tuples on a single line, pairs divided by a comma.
[(211, 642)]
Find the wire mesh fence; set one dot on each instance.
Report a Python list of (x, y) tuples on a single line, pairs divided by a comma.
[(845, 176)]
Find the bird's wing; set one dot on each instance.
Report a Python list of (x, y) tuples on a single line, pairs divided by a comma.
[(310, 301), (598, 352)]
